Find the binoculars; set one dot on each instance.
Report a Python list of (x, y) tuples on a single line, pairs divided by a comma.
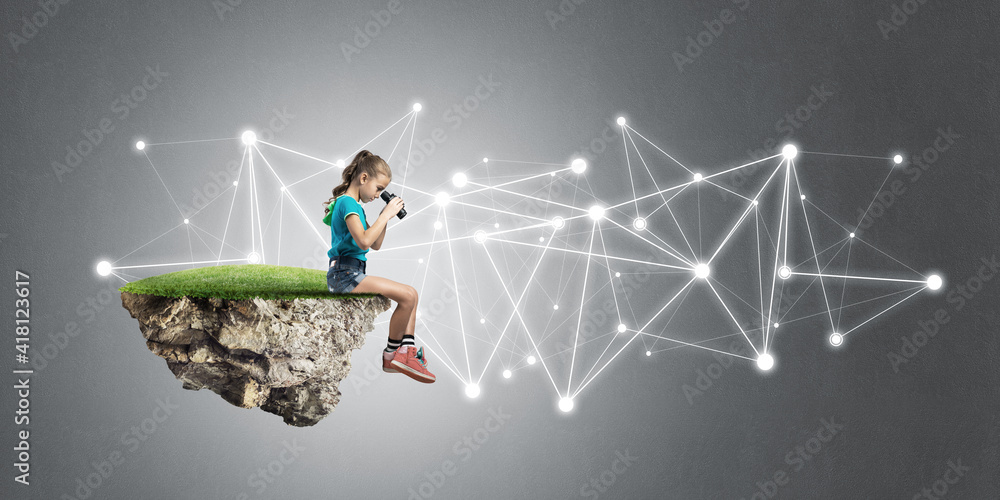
[(386, 196)]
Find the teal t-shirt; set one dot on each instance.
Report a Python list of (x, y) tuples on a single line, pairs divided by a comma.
[(342, 243)]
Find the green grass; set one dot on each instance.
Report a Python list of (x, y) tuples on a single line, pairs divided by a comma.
[(244, 281)]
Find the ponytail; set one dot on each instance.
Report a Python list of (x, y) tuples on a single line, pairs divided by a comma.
[(364, 162)]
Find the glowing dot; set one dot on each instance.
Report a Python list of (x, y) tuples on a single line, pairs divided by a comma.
[(460, 179), (555, 307), (417, 107), (776, 325), (283, 188), (437, 224), (541, 239), (418, 313), (253, 258), (784, 272), (702, 271), (420, 261), (622, 328), (531, 360), (621, 120), (802, 197), (442, 198), (852, 235), (596, 212), (579, 166), (341, 163), (639, 224), (836, 339), (486, 160), (565, 404), (472, 390), (618, 274), (496, 225), (480, 236), (755, 202), (789, 151), (140, 145), (934, 282), (765, 362), (249, 138), (186, 221), (482, 321), (649, 353), (104, 268), (558, 222), (235, 182), (506, 374), (897, 159), (697, 177)]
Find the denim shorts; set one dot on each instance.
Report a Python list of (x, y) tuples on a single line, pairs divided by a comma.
[(343, 278)]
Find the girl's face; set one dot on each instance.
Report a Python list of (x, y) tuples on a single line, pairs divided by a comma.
[(372, 188)]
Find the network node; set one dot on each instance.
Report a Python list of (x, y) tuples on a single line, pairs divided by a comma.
[(789, 151), (555, 307), (104, 268), (596, 212), (472, 390), (496, 225), (486, 160), (420, 260), (541, 239), (442, 198), (283, 188), (140, 145), (253, 257), (417, 107), (621, 120), (784, 272), (618, 274), (341, 163), (934, 282), (755, 202), (558, 222), (437, 224), (622, 328), (702, 271), (639, 224), (649, 353), (565, 404), (507, 374), (187, 221), (249, 138), (836, 339), (482, 321), (235, 182), (802, 197), (776, 325), (460, 179), (579, 166), (897, 159), (531, 360), (698, 177), (418, 313), (765, 362)]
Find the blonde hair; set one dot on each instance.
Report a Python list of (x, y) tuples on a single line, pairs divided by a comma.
[(365, 162)]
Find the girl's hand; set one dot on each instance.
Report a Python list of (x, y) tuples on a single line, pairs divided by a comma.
[(393, 207)]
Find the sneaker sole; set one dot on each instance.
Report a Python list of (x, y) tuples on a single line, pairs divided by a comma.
[(414, 374)]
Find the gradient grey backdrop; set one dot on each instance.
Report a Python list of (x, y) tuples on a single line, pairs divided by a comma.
[(560, 88)]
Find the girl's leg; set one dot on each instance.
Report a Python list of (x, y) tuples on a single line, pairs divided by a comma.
[(403, 319)]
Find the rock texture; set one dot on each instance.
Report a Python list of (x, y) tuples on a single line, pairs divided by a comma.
[(285, 356)]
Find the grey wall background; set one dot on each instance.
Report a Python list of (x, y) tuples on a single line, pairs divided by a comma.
[(560, 88)]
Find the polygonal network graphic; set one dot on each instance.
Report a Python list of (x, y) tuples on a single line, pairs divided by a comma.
[(520, 266)]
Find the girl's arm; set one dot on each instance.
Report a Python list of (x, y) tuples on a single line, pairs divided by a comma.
[(366, 239), (378, 242)]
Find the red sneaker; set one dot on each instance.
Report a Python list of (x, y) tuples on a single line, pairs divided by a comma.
[(387, 362), (411, 362)]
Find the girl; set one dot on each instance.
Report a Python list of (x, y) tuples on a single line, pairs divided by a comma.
[(363, 181)]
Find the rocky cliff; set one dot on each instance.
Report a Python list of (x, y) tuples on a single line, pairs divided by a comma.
[(285, 356)]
